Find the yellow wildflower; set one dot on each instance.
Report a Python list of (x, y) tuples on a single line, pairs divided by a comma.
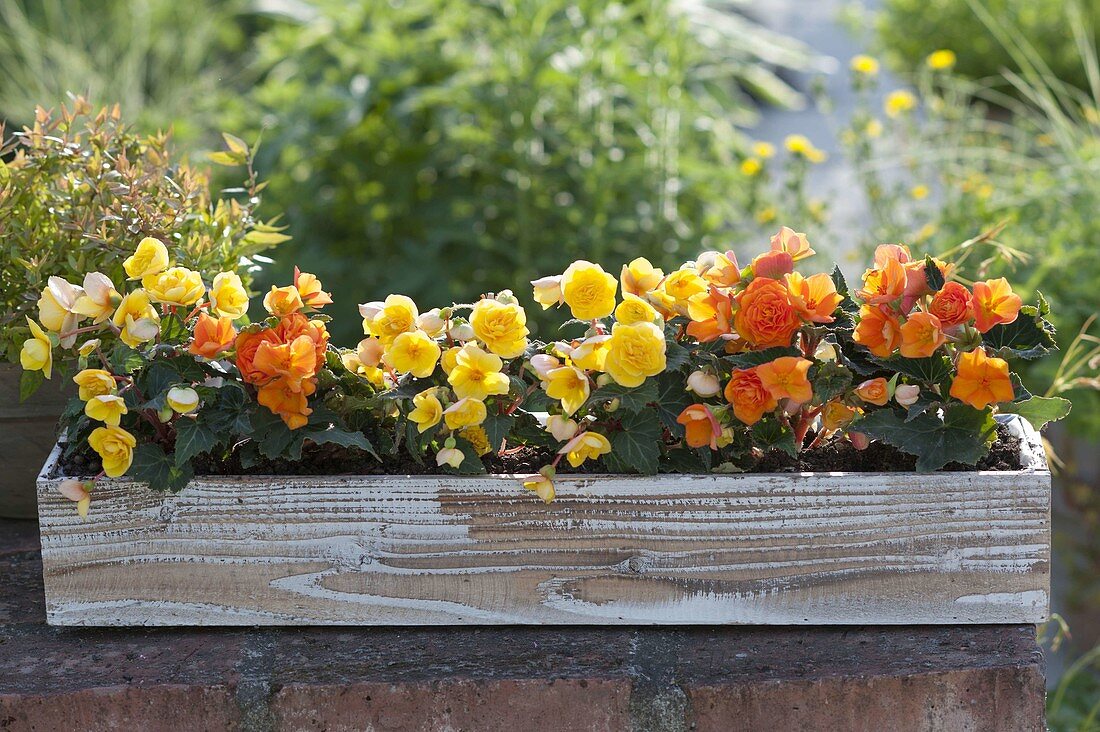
[(899, 102), (941, 60)]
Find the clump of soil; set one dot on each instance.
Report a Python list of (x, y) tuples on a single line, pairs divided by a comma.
[(832, 455)]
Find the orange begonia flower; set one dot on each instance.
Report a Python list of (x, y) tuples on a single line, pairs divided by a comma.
[(874, 391), (981, 380), (837, 415), (701, 428), (288, 400), (212, 336), (921, 335), (711, 315), (994, 303), (793, 243), (282, 300), (878, 331), (247, 345), (785, 378), (294, 361), (953, 305), (765, 316), (719, 269), (883, 284), (309, 289), (885, 252), (294, 325), (773, 265), (749, 398), (815, 297)]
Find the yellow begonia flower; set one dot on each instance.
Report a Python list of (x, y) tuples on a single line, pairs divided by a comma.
[(94, 382), (585, 446), (175, 286), (476, 374), (682, 284), (57, 309), (640, 277), (150, 258), (588, 290), (542, 486), (427, 410), (37, 353), (449, 358), (106, 408), (547, 291), (413, 353), (941, 60), (635, 352), (183, 399), (449, 456), (99, 299), (591, 353), (115, 447), (899, 102), (865, 65), (467, 412), (283, 300), (570, 385), (228, 298), (477, 437), (502, 327), (393, 317), (634, 309), (137, 319)]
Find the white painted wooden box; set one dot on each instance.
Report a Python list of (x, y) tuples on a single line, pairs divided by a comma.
[(815, 548)]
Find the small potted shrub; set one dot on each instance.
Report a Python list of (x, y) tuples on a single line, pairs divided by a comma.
[(714, 444), (74, 189)]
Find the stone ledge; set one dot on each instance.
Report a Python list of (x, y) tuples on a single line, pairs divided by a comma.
[(927, 678)]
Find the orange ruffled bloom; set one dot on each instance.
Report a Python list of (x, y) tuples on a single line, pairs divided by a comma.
[(212, 336), (981, 380), (994, 303), (878, 331), (294, 362), (309, 290), (921, 335), (247, 345), (953, 305), (815, 297), (289, 400), (750, 399), (765, 316), (785, 378), (883, 284), (294, 325), (701, 428), (874, 391)]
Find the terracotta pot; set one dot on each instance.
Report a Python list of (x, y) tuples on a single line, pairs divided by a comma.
[(27, 434)]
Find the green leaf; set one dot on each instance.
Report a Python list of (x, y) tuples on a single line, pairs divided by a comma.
[(1037, 410), (829, 379), (230, 414), (124, 360), (962, 435), (193, 437), (529, 431), (932, 275), (471, 461), (151, 465), (847, 304), (772, 434), (676, 356), (934, 369), (235, 144), (631, 399), (686, 461), (29, 381), (749, 359), (636, 446), (1030, 336), (497, 426), (343, 438), (223, 157), (672, 399)]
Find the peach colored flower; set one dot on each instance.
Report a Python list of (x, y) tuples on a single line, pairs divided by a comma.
[(750, 399), (874, 391), (883, 284), (212, 336), (878, 331), (815, 297), (785, 378), (953, 305), (765, 316), (994, 303), (921, 335), (981, 380), (701, 429)]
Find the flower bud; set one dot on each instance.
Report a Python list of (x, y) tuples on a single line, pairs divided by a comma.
[(88, 347), (548, 291), (73, 489), (543, 363), (859, 440), (461, 331), (165, 413), (969, 338), (562, 428), (613, 405), (370, 309), (506, 297), (449, 456), (703, 383), (825, 351), (906, 394), (603, 379), (183, 399), (431, 322)]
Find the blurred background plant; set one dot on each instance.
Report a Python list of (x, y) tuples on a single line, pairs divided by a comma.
[(440, 149), (79, 189), (164, 62)]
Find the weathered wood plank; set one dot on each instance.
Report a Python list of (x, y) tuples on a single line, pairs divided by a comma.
[(749, 549)]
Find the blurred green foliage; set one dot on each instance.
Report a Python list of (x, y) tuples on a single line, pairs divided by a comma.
[(165, 62), (442, 149), (909, 30)]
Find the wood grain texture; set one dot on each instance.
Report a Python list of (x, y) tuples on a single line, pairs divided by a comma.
[(837, 548)]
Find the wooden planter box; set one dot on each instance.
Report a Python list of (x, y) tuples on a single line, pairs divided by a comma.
[(777, 549)]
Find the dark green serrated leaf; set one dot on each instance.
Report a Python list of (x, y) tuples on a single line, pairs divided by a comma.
[(932, 275), (672, 399), (528, 430), (631, 399), (749, 359), (124, 360), (230, 413), (1039, 411), (934, 369), (772, 434), (497, 427), (1028, 337), (829, 379), (847, 304), (676, 356), (193, 437), (685, 461), (343, 438), (151, 465), (962, 435), (635, 447)]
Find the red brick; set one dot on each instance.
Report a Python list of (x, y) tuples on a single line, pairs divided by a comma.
[(507, 705)]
